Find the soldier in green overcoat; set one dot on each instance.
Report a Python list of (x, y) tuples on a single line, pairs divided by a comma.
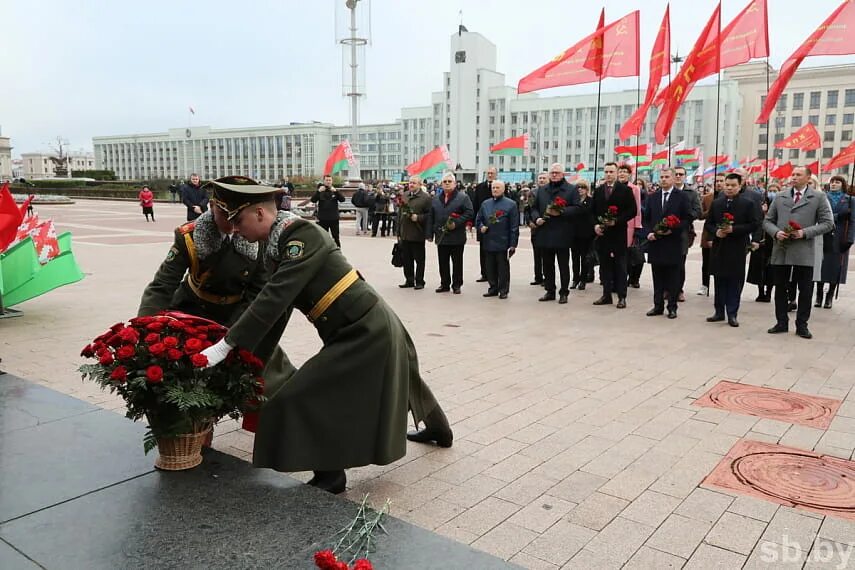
[(347, 405)]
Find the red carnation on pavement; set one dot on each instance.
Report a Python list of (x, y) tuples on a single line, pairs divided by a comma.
[(119, 374), (199, 360), (125, 352), (325, 559), (174, 354), (154, 374), (363, 564), (170, 342), (106, 359)]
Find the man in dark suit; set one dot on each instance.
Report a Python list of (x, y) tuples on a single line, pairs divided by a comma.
[(611, 234), (483, 192), (695, 211), (665, 248), (555, 230), (731, 221), (542, 180)]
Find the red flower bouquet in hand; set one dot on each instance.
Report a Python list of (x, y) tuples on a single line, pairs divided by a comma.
[(451, 222), (556, 207), (726, 221), (165, 379), (666, 225), (609, 218), (496, 216), (790, 232)]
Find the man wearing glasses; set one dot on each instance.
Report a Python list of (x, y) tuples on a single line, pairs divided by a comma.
[(695, 211), (446, 223), (554, 208)]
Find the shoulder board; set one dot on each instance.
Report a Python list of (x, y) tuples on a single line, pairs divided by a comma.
[(186, 228)]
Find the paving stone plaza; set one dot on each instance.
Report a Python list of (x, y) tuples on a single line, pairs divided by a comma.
[(578, 442)]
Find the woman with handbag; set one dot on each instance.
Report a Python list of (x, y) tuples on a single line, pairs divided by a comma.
[(836, 244)]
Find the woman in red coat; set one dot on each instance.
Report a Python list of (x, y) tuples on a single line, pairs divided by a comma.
[(147, 202)]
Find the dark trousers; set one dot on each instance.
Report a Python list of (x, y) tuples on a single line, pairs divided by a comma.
[(634, 273), (413, 255), (450, 265), (549, 255), (498, 271), (705, 268), (682, 276), (666, 278), (727, 292), (381, 220), (332, 227), (579, 250), (482, 257), (613, 272), (802, 276), (538, 264)]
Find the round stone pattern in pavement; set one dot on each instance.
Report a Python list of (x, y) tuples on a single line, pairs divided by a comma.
[(816, 482), (778, 404)]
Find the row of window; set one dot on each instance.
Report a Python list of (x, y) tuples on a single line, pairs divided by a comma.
[(815, 100)]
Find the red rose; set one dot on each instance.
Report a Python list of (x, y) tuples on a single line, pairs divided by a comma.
[(613, 210), (207, 344), (454, 215), (157, 349), (106, 358), (125, 352), (114, 340), (117, 327), (190, 331), (154, 327), (560, 202), (88, 351), (192, 345), (201, 329), (363, 564), (176, 325), (728, 216), (170, 342), (256, 363), (119, 374), (325, 559), (154, 374), (245, 355), (152, 338), (129, 335), (199, 360), (174, 354), (795, 225), (141, 321)]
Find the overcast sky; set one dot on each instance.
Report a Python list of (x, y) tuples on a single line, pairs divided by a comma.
[(104, 67)]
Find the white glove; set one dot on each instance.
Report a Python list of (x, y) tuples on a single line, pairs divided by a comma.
[(217, 353)]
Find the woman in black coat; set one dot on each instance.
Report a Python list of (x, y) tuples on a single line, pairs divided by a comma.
[(758, 265), (583, 238)]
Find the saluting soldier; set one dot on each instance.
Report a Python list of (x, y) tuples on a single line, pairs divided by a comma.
[(347, 405)]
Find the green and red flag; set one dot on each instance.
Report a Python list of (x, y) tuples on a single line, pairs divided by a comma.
[(720, 159), (514, 146), (836, 36), (637, 152), (340, 159), (431, 164), (580, 167)]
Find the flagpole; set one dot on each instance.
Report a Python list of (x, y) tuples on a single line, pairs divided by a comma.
[(641, 124), (767, 125), (597, 132), (717, 120)]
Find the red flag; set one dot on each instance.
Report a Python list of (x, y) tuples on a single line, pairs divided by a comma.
[(707, 44), (746, 37), (783, 171), (10, 217), (340, 158), (836, 36), (431, 164), (720, 159), (637, 150), (660, 60), (844, 157), (814, 167), (615, 54), (580, 167), (44, 238), (806, 138)]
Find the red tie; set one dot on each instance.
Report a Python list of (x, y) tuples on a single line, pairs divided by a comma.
[(798, 197)]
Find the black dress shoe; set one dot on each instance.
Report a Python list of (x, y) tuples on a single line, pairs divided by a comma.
[(503, 295), (715, 319), (490, 294), (562, 299), (456, 290), (536, 282), (419, 286), (581, 286), (803, 332), (732, 322), (442, 289), (621, 303), (481, 280), (672, 314), (330, 481), (654, 312), (436, 430), (635, 285), (603, 301), (547, 297), (406, 285), (777, 329), (574, 285), (762, 299), (791, 307)]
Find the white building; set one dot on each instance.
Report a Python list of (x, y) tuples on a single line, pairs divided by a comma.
[(39, 165), (474, 110)]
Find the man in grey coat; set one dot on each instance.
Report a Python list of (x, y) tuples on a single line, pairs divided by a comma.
[(795, 219)]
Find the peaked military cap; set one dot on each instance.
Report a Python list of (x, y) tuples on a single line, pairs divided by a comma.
[(234, 193)]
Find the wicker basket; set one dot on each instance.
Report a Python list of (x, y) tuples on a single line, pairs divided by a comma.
[(182, 452)]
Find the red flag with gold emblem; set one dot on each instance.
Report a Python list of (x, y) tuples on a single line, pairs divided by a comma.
[(806, 138), (844, 157), (660, 60), (611, 51), (836, 36)]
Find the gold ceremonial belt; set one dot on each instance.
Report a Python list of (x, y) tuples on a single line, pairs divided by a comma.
[(216, 299), (334, 293)]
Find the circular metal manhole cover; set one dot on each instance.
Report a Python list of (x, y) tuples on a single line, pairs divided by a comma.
[(758, 402), (816, 482)]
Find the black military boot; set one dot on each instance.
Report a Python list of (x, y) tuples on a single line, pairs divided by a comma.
[(330, 481), (436, 429), (829, 296), (818, 302)]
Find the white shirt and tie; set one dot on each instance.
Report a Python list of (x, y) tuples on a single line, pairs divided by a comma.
[(665, 196)]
